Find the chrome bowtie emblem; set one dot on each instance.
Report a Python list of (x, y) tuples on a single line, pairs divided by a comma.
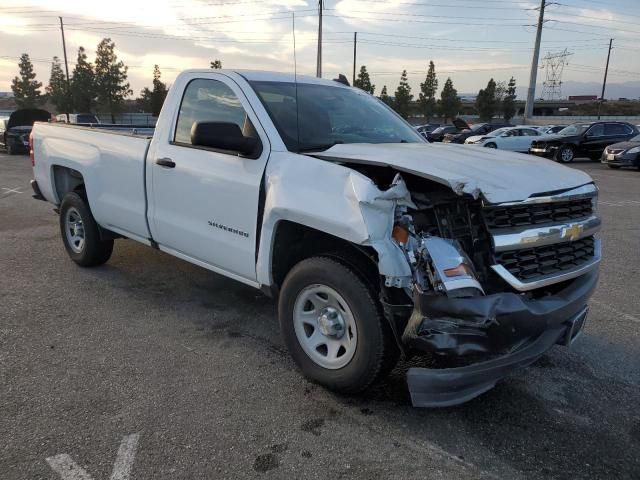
[(573, 232)]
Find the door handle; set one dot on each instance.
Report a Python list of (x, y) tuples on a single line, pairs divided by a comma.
[(166, 162)]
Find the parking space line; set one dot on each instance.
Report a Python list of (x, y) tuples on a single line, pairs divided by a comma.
[(11, 190), (64, 465), (125, 457)]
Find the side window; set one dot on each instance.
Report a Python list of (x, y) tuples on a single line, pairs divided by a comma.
[(528, 132), (616, 129), (596, 130), (207, 101)]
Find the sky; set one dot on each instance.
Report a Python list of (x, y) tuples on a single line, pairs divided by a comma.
[(470, 41)]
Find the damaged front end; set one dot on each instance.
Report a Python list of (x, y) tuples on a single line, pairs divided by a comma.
[(490, 286)]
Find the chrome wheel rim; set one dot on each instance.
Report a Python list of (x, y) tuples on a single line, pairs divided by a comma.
[(74, 230), (325, 326), (566, 154)]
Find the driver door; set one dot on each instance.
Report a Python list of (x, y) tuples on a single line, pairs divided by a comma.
[(204, 203)]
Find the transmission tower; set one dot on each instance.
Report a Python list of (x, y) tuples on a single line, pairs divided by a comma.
[(554, 64)]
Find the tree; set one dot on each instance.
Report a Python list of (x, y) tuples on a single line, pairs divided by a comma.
[(403, 96), (427, 96), (26, 88), (449, 103), (152, 100), (83, 84), (58, 88), (216, 64), (486, 103), (363, 82), (111, 78), (509, 101), (385, 97)]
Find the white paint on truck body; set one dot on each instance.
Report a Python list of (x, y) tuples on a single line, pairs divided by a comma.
[(185, 207)]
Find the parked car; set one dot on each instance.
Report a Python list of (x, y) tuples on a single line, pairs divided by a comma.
[(438, 134), (15, 130), (582, 140), (465, 130), (426, 129), (515, 139), (373, 241), (77, 118), (623, 154)]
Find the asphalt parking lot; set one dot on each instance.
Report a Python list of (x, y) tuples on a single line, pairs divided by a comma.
[(152, 368)]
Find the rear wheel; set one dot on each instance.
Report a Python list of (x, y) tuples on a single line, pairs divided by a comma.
[(491, 145), (10, 149), (565, 154), (80, 233), (615, 167), (333, 326)]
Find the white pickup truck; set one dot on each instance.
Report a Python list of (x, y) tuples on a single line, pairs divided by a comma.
[(375, 242)]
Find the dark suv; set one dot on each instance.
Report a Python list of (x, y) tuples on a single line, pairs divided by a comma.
[(587, 139), (15, 130), (466, 131)]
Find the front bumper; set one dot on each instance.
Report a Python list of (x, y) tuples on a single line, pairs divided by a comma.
[(547, 152), (520, 328), (620, 159)]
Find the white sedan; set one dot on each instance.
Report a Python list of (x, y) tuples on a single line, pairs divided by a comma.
[(515, 139)]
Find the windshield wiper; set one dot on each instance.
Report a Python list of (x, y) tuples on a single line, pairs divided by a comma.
[(318, 148)]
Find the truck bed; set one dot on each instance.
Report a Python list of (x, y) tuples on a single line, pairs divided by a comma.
[(113, 164)]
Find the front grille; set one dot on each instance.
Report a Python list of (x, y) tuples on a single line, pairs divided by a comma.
[(536, 214), (530, 263), (538, 144)]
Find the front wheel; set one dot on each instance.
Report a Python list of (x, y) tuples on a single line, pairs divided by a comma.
[(80, 233), (615, 167), (491, 145), (565, 154), (10, 149), (333, 326)]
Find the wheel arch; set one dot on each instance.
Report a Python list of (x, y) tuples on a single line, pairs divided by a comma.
[(294, 242)]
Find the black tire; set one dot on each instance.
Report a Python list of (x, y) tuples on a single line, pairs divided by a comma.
[(491, 145), (10, 150), (563, 155), (93, 251), (615, 167), (376, 351)]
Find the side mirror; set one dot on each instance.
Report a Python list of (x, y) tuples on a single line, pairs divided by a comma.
[(222, 135)]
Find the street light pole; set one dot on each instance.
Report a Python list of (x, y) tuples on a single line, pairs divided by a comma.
[(66, 64), (319, 59), (531, 92), (604, 82)]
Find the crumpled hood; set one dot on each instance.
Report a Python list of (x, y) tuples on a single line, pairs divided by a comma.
[(498, 176)]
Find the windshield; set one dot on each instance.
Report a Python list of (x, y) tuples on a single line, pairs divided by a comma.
[(576, 129), (477, 126), (328, 115), (635, 139)]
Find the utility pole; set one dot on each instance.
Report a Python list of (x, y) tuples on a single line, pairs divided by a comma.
[(604, 82), (66, 64), (531, 92), (319, 60), (355, 42)]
